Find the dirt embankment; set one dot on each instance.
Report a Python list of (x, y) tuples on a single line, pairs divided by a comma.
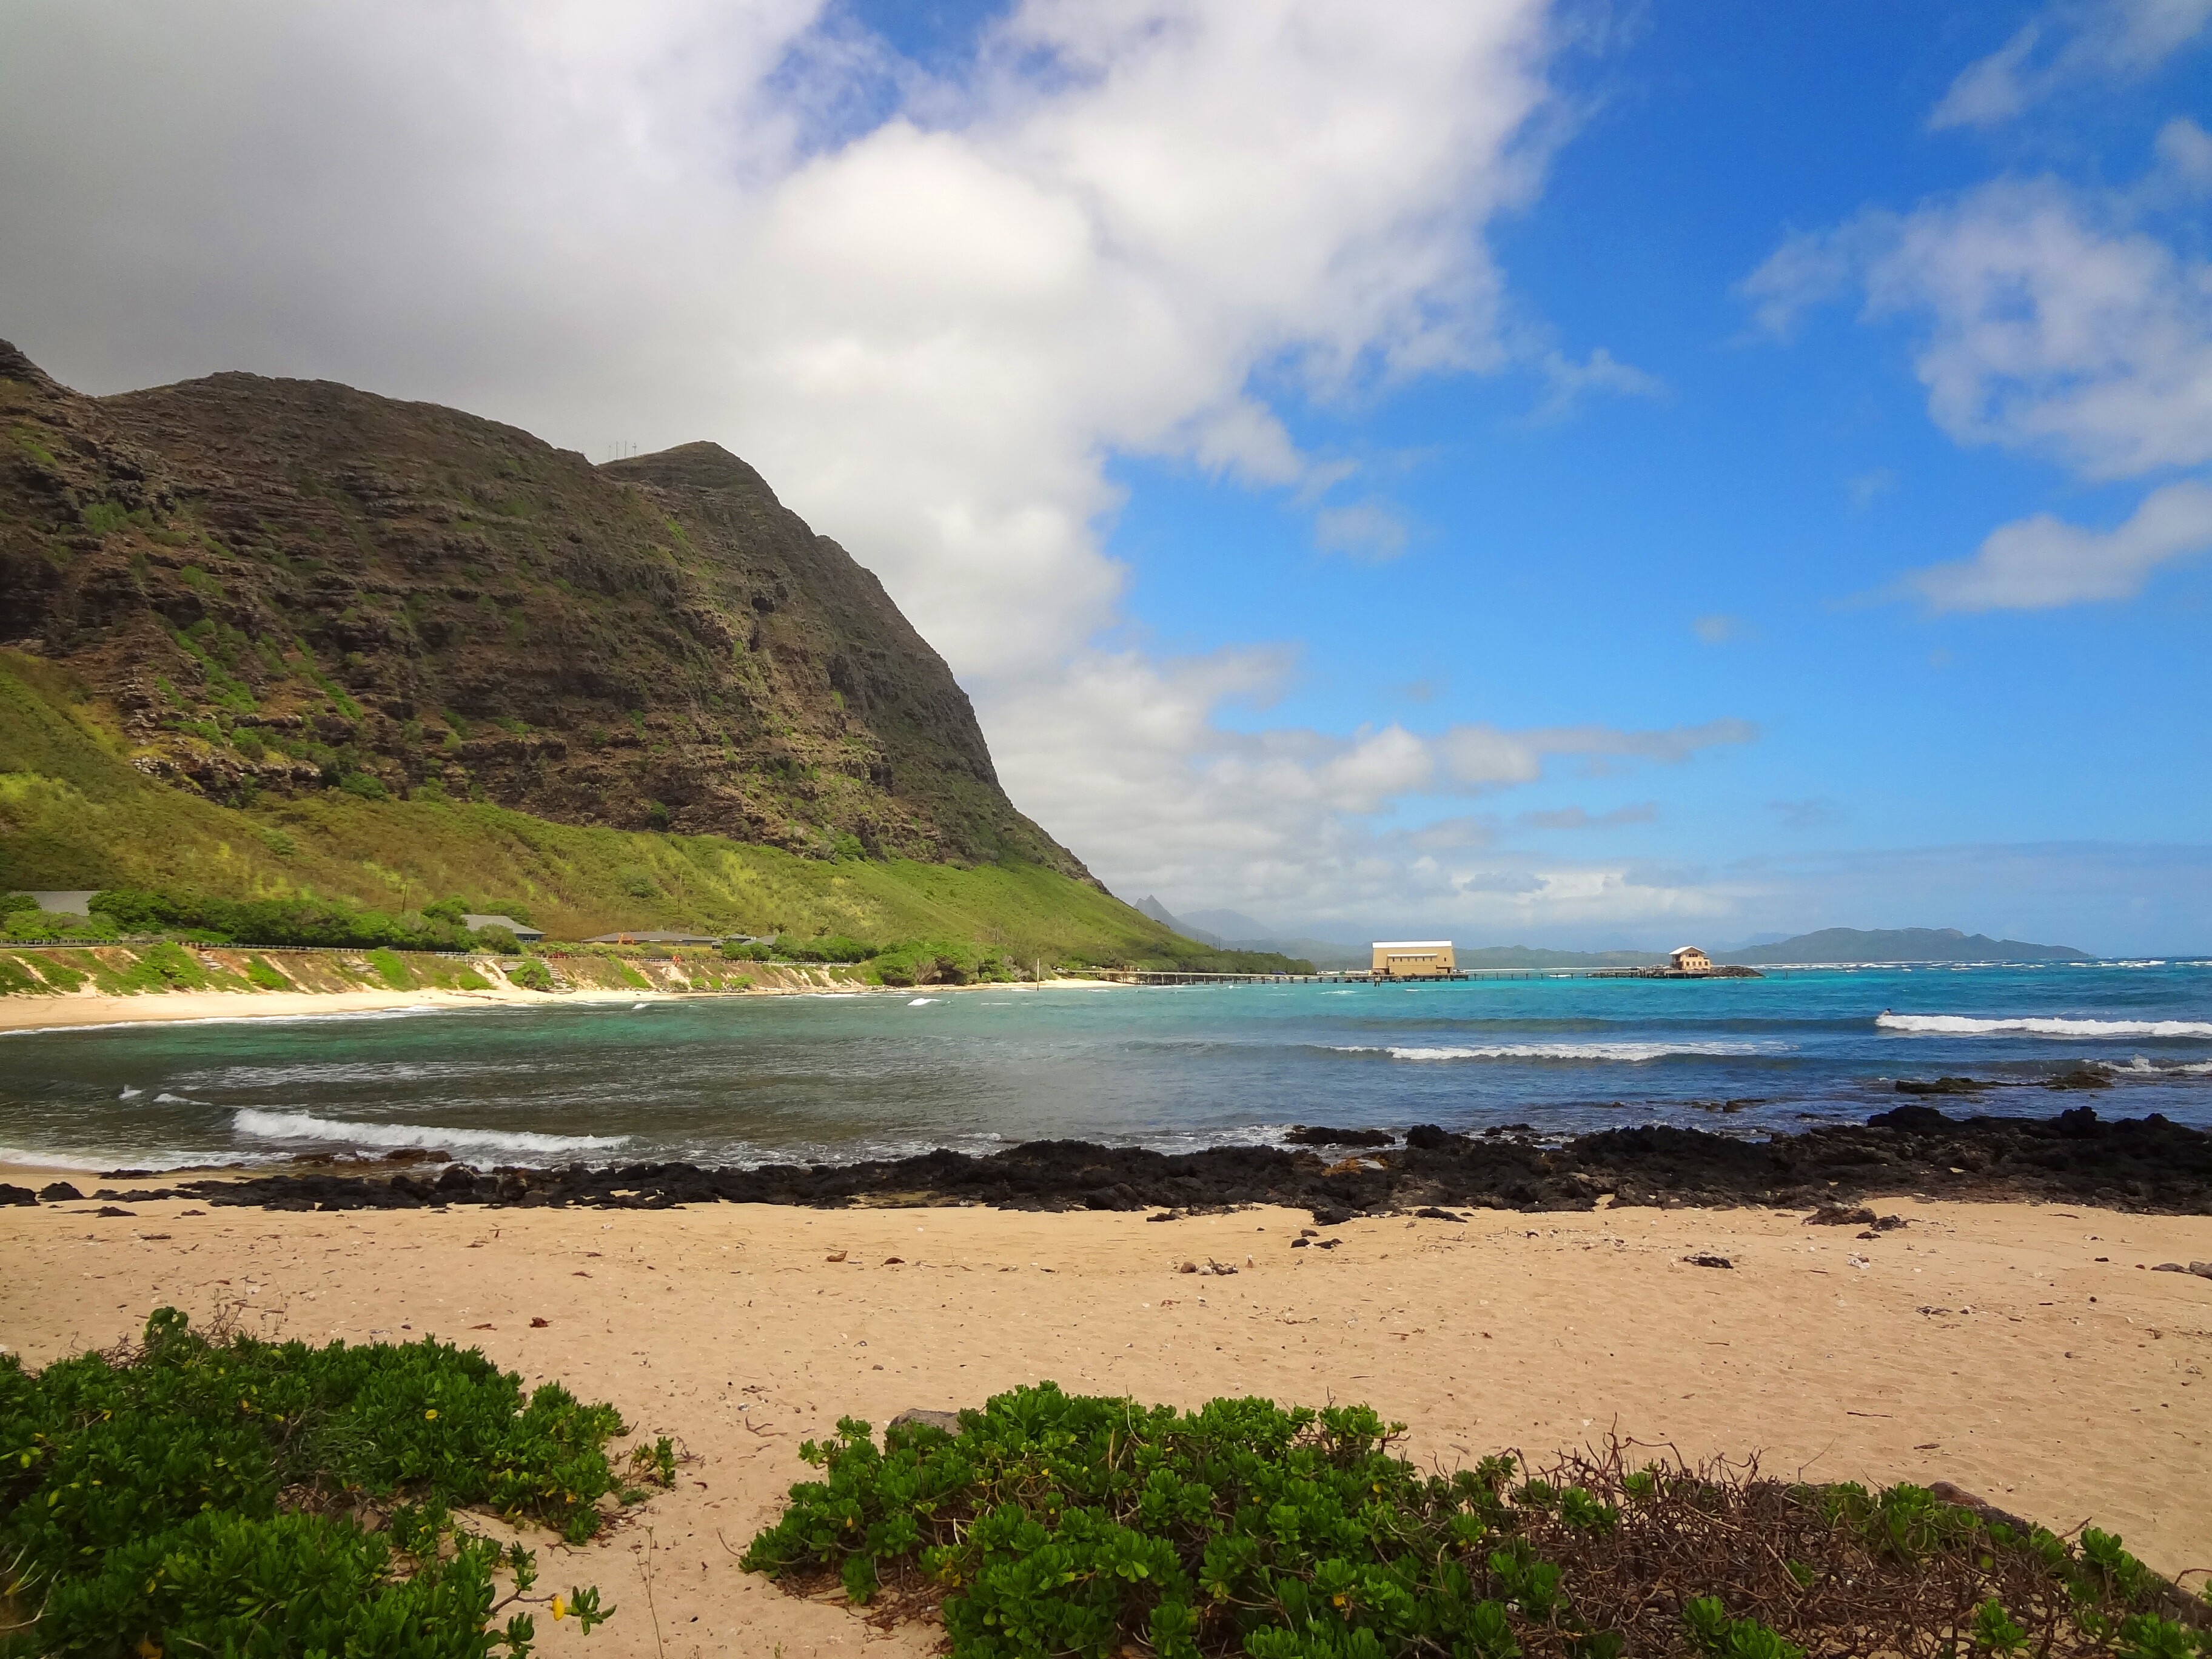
[(2144, 1164), (100, 984)]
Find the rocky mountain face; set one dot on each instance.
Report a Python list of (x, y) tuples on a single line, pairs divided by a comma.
[(283, 585)]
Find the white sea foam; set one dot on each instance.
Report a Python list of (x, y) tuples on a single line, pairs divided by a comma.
[(313, 1074), (923, 1002), (411, 1011), (2139, 1066), (97, 1158), (1960, 1025), (130, 1093), (306, 1126), (1631, 1052), (165, 1098)]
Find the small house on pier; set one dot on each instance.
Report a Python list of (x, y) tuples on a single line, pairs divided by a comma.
[(1413, 958)]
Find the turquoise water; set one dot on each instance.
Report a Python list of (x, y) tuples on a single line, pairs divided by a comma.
[(744, 1080)]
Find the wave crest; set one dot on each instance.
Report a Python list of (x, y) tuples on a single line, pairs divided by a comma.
[(1632, 1052), (306, 1126), (2036, 1025)]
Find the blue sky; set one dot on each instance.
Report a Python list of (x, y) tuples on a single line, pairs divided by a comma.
[(1557, 564), (1526, 471)]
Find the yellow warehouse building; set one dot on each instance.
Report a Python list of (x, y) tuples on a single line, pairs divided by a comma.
[(1413, 958)]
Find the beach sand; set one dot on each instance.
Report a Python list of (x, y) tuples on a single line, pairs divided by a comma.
[(32, 1013), (1986, 1344)]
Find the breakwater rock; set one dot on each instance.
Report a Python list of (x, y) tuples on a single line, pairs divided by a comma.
[(2147, 1163)]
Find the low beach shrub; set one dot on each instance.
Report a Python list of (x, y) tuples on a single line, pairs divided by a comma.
[(942, 962), (831, 947), (223, 1496), (36, 926), (1055, 1524), (277, 921), (531, 974)]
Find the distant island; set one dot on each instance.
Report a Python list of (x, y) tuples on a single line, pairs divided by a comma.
[(1901, 944)]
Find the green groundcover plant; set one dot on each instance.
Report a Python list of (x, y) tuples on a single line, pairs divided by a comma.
[(1053, 1525), (213, 920), (263, 1500)]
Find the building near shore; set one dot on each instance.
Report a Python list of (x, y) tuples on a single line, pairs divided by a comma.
[(1413, 958), (1688, 959), (521, 930)]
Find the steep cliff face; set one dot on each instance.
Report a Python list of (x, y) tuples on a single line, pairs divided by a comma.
[(284, 586)]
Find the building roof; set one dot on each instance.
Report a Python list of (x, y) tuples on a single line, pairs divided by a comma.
[(1412, 944), (1680, 949), (74, 903), (519, 929)]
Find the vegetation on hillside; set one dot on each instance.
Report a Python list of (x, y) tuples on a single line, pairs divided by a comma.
[(74, 813), (1053, 1524), (130, 912), (262, 1500)]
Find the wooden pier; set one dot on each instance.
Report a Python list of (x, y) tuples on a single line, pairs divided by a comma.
[(1365, 976)]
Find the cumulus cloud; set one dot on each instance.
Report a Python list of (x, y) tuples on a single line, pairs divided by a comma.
[(2071, 42), (932, 305), (1166, 800), (2040, 562), (2054, 320), (930, 327), (2048, 326)]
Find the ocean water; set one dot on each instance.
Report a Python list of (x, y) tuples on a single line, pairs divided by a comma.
[(739, 1080)]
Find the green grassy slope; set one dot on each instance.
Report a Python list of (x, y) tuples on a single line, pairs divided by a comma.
[(74, 813)]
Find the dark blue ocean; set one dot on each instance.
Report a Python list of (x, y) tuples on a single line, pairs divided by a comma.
[(744, 1079)]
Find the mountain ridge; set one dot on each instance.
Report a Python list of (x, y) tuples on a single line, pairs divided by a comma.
[(279, 587)]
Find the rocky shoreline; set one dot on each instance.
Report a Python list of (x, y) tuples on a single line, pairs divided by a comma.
[(2147, 1165)]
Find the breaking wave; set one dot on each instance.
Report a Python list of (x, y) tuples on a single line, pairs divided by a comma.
[(1633, 1052), (1960, 1025), (306, 1126)]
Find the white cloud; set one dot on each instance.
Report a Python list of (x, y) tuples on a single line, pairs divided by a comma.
[(1718, 627), (1570, 382), (1579, 818), (1868, 487), (1165, 800), (2073, 41), (930, 312), (2052, 320), (1363, 530), (2037, 563), (2049, 327)]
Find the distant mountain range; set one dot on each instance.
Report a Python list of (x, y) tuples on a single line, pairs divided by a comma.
[(1217, 927), (1234, 931), (1902, 944)]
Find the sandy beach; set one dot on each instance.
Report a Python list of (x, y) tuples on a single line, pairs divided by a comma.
[(34, 1013), (2025, 1352)]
